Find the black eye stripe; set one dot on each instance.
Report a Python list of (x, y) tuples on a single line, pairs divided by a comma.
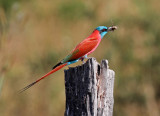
[(103, 30)]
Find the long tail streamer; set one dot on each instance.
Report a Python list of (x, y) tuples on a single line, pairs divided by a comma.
[(52, 71)]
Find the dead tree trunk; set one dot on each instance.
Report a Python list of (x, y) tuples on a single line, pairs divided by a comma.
[(89, 89)]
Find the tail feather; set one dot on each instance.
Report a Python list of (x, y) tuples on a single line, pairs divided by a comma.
[(57, 65), (56, 68)]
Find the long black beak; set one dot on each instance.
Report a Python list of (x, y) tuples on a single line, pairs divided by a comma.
[(112, 28)]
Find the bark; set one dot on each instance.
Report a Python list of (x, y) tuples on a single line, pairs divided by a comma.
[(89, 89)]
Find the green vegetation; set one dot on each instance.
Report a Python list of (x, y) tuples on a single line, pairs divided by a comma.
[(41, 33), (7, 4)]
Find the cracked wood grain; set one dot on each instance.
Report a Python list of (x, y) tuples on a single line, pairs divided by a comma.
[(89, 89)]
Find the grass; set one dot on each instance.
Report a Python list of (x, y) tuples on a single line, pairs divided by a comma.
[(1, 84)]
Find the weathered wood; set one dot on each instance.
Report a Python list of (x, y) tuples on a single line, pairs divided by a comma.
[(89, 89)]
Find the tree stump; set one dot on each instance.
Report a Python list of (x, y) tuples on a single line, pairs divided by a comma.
[(89, 89)]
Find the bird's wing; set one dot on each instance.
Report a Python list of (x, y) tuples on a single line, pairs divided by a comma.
[(81, 49)]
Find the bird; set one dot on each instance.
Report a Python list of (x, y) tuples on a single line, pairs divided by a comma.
[(80, 52)]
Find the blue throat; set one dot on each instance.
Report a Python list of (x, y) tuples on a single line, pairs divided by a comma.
[(100, 28), (103, 34)]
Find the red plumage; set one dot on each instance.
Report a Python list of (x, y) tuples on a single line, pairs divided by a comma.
[(87, 46)]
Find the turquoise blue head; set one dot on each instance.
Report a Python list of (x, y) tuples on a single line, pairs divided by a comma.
[(103, 30)]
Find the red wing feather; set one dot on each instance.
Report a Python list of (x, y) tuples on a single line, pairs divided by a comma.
[(84, 47)]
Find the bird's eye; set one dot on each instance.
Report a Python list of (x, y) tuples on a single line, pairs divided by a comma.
[(104, 30)]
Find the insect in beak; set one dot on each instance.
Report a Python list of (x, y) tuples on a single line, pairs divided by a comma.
[(112, 28)]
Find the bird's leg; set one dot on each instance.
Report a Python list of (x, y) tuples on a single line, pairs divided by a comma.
[(84, 57), (88, 57)]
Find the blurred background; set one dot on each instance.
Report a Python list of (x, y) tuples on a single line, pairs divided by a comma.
[(36, 34)]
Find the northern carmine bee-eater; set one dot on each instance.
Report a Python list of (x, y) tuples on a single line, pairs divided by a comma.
[(81, 51)]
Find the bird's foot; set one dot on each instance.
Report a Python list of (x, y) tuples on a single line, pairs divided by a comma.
[(82, 59), (88, 57)]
